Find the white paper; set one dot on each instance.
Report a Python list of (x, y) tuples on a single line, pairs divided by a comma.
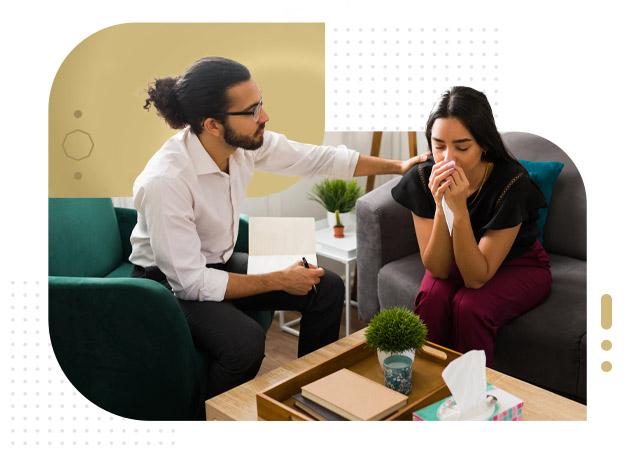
[(272, 263), (448, 214), (277, 242), (466, 379)]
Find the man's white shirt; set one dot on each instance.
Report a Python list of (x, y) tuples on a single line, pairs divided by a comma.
[(188, 209)]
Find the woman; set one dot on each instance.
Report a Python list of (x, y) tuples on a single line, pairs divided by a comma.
[(491, 268)]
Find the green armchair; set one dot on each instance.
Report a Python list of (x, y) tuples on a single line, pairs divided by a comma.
[(122, 342)]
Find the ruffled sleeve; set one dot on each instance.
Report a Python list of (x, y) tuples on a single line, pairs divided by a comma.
[(518, 203), (412, 191)]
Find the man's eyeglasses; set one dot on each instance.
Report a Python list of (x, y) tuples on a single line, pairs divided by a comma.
[(255, 113)]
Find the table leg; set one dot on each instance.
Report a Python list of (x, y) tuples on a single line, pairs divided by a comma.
[(286, 326)]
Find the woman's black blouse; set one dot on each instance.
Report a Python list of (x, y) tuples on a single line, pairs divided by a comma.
[(508, 197)]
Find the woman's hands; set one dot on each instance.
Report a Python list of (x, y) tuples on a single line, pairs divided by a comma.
[(440, 180), (457, 192), (449, 181)]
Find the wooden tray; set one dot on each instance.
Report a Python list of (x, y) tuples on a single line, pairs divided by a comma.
[(276, 403)]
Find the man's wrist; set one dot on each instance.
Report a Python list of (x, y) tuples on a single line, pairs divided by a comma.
[(400, 165), (271, 281)]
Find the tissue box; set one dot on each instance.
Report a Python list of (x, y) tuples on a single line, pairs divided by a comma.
[(510, 407)]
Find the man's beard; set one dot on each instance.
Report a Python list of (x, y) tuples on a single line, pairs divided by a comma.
[(234, 139)]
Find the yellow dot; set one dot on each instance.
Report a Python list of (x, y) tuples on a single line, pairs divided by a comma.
[(606, 366), (606, 345)]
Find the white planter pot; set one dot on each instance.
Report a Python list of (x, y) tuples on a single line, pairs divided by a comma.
[(348, 220), (382, 355)]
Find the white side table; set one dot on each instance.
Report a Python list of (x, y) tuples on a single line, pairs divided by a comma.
[(339, 249)]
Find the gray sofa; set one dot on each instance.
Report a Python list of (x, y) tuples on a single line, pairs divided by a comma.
[(547, 345)]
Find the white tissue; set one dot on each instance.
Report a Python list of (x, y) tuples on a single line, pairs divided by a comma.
[(448, 215), (466, 379)]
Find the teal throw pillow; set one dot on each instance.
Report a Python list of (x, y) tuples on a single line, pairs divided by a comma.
[(545, 174)]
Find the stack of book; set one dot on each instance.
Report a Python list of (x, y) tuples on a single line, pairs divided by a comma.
[(345, 395)]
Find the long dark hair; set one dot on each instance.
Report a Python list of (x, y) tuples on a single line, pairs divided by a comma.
[(473, 109), (191, 98)]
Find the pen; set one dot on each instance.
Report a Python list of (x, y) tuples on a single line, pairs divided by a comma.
[(306, 265)]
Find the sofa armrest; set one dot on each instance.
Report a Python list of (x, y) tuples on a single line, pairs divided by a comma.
[(385, 233), (125, 345), (127, 219)]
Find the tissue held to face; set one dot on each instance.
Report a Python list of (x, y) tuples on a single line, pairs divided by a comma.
[(451, 142)]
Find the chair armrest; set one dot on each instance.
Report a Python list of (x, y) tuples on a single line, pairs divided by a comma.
[(125, 345), (127, 219), (385, 233)]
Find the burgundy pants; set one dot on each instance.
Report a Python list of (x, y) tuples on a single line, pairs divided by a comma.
[(467, 319)]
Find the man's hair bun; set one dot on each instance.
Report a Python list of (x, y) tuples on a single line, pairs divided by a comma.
[(163, 95)]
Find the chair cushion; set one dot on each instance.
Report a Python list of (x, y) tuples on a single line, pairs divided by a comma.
[(122, 271), (399, 282), (544, 345), (545, 174), (83, 237)]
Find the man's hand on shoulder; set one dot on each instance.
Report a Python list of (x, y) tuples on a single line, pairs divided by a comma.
[(406, 165), (372, 165)]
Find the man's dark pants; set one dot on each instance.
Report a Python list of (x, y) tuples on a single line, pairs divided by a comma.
[(235, 342)]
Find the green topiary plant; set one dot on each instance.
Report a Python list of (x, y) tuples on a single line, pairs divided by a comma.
[(336, 194), (396, 330)]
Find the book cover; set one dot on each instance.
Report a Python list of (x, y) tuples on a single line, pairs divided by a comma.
[(353, 396), (316, 411)]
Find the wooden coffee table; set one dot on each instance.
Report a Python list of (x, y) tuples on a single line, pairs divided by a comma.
[(240, 403)]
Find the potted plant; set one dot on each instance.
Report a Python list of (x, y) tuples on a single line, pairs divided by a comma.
[(339, 195), (338, 228), (395, 331)]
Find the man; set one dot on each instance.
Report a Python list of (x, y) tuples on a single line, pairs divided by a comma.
[(188, 200)]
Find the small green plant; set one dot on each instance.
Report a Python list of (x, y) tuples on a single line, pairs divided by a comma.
[(335, 195), (337, 219), (396, 330)]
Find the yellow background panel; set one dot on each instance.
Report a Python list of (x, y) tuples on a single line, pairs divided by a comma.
[(100, 137)]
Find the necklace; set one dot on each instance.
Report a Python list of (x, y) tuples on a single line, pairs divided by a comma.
[(482, 183)]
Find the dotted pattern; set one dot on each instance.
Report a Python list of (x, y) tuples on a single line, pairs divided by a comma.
[(43, 408), (389, 78)]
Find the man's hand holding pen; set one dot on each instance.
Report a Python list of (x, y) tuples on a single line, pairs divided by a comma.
[(299, 280), (307, 266)]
